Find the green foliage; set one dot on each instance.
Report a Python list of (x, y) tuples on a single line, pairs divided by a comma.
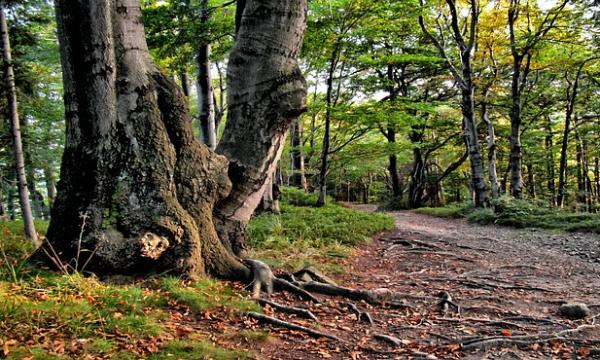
[(319, 226), (207, 294), (520, 214), (309, 235), (482, 216), (453, 211), (195, 349)]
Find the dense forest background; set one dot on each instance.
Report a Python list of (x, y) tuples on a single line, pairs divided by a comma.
[(455, 102)]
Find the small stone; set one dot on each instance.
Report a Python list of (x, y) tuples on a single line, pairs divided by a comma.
[(574, 310)]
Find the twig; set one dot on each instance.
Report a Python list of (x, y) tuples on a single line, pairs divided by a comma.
[(277, 322)]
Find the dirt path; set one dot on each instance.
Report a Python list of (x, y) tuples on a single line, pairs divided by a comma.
[(509, 284)]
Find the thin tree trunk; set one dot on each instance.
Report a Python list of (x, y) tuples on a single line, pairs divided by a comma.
[(11, 96), (491, 148), (597, 178), (549, 147), (571, 92), (390, 134), (185, 83), (516, 185), (472, 143), (327, 136), (50, 180), (297, 155), (417, 180), (2, 205), (531, 180), (206, 113), (10, 203)]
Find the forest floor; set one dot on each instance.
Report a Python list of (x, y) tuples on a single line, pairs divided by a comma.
[(509, 284)]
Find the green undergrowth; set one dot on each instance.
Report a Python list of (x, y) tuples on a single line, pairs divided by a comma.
[(306, 235), (520, 214), (48, 315), (53, 316)]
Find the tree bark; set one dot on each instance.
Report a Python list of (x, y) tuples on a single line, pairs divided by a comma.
[(266, 93), (516, 184), (491, 148), (11, 96), (185, 83), (144, 187)]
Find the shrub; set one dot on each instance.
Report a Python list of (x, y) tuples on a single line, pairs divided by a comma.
[(482, 216)]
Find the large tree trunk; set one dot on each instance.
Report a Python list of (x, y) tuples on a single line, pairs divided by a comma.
[(11, 96), (266, 93), (132, 171)]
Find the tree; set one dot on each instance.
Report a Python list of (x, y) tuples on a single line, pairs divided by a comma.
[(11, 95), (465, 44), (143, 186), (522, 54)]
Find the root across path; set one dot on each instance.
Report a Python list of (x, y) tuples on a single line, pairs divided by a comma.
[(440, 288)]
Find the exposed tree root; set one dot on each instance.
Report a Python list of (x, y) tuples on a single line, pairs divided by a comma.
[(534, 319), (288, 309), (486, 321), (311, 274), (523, 340), (388, 338), (413, 243), (277, 322), (288, 286), (489, 286), (383, 297), (440, 253), (360, 315)]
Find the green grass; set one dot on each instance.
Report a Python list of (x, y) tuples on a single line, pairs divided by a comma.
[(451, 211), (206, 294), (520, 214), (308, 235), (197, 350)]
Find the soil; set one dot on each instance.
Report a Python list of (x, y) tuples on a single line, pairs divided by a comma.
[(508, 283)]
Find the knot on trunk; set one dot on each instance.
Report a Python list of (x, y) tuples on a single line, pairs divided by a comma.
[(153, 246)]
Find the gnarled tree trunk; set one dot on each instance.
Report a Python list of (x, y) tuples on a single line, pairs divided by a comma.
[(132, 170), (266, 93)]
